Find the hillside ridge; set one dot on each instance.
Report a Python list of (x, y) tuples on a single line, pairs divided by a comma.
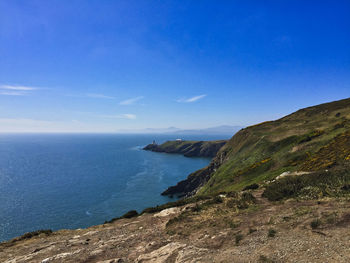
[(263, 151)]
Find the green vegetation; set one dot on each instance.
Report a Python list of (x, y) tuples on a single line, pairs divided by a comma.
[(333, 182), (251, 187), (130, 214), (271, 233), (311, 139), (315, 223), (265, 259), (26, 236), (203, 213), (238, 238), (252, 230), (34, 233)]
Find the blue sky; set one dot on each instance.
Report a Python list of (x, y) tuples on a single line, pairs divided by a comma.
[(101, 66)]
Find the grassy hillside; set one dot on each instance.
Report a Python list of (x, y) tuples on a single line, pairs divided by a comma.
[(189, 148), (310, 139)]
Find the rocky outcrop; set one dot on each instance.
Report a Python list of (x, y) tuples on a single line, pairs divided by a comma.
[(188, 148), (219, 229), (194, 181)]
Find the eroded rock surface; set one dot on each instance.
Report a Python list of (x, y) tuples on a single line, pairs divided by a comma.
[(216, 233)]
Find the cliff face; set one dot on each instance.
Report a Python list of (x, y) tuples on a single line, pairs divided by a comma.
[(188, 148), (194, 181), (264, 151)]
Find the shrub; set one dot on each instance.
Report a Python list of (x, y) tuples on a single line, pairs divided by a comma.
[(233, 194), (265, 259), (248, 197), (197, 208), (251, 187), (308, 137), (130, 214), (32, 234), (346, 187), (231, 203), (252, 230), (313, 185), (238, 238), (217, 199), (311, 192), (241, 204), (271, 233), (176, 219), (315, 223), (234, 224)]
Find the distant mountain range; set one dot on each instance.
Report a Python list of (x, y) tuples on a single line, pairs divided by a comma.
[(223, 129)]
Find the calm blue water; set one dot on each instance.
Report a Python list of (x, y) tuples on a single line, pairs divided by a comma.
[(75, 181)]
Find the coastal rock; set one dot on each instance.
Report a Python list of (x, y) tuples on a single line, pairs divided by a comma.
[(169, 211), (194, 181), (162, 254)]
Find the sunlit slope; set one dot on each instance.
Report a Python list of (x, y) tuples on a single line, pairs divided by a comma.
[(302, 141)]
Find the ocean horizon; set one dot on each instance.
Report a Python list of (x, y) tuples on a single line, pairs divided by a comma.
[(69, 181)]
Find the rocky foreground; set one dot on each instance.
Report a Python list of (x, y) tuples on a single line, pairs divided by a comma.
[(226, 228)]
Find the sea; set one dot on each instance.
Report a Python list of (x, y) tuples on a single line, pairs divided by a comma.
[(69, 181)]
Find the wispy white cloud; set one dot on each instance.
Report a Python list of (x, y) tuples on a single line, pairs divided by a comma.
[(131, 101), (99, 96), (13, 93), (128, 116), (14, 90), (192, 99), (19, 88)]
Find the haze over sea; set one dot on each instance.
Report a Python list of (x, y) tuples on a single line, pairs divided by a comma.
[(56, 181)]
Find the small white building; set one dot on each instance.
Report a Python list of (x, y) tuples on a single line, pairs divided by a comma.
[(179, 140)]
